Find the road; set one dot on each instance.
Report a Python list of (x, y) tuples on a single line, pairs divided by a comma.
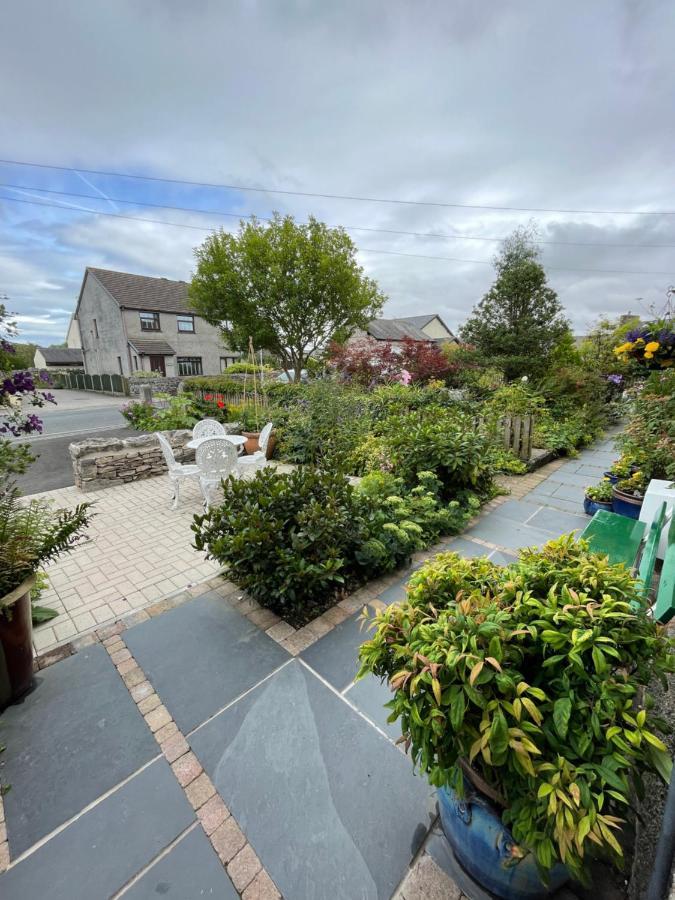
[(78, 415)]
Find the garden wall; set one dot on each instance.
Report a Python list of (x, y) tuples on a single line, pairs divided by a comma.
[(167, 385), (100, 463)]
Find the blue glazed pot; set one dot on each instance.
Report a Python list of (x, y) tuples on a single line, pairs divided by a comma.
[(592, 506), (626, 505), (611, 478), (485, 848)]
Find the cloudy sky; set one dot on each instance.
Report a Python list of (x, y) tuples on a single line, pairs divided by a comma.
[(539, 106)]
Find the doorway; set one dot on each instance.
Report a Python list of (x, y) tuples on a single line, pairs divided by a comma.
[(157, 364)]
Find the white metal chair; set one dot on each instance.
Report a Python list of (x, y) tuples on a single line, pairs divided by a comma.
[(258, 459), (216, 458), (207, 428), (177, 471)]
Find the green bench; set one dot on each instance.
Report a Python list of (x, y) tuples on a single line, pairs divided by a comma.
[(626, 541)]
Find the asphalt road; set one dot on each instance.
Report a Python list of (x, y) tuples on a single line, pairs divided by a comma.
[(53, 467), (57, 421)]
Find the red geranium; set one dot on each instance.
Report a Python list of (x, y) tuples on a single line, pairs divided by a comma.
[(208, 396), (220, 404)]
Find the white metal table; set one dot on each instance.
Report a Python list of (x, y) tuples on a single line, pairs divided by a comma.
[(237, 439)]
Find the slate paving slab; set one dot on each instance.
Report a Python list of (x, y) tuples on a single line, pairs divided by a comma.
[(568, 477), (76, 736), (570, 492), (190, 871), (571, 506), (202, 655), (467, 548), (515, 510), (102, 850), (502, 558), (509, 534), (332, 809), (335, 656), (557, 521), (369, 696)]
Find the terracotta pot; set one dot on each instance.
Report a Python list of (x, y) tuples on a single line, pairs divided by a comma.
[(252, 445), (16, 643)]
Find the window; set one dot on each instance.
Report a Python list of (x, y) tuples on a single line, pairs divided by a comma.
[(226, 361), (119, 364), (150, 321), (190, 365), (95, 328), (186, 323), (135, 364)]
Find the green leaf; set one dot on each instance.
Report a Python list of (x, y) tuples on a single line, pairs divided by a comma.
[(499, 735), (562, 709)]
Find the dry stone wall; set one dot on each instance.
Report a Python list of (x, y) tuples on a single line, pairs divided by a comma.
[(100, 463), (167, 385)]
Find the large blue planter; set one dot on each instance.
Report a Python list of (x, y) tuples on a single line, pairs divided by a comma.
[(484, 847), (611, 478), (592, 506), (626, 505)]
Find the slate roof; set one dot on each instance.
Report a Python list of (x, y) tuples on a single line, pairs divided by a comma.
[(418, 321), (143, 292), (395, 330), (152, 348), (61, 356)]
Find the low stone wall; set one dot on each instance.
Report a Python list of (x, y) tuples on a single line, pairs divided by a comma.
[(167, 385), (100, 463)]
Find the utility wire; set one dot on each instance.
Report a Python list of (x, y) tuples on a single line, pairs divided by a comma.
[(266, 190), (482, 262), (217, 212)]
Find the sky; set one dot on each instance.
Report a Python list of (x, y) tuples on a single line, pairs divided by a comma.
[(536, 106)]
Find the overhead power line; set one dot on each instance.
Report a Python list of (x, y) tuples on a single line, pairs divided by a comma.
[(217, 212), (326, 196), (482, 262)]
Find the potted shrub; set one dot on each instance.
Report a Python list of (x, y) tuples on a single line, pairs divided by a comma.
[(628, 494), (31, 534), (599, 496), (621, 468), (520, 695)]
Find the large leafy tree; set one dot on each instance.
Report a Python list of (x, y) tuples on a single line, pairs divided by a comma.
[(292, 288), (520, 321)]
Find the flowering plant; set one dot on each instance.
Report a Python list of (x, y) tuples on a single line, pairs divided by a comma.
[(652, 345), (601, 492)]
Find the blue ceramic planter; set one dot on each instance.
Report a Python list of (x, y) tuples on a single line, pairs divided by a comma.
[(611, 478), (592, 506), (626, 505), (484, 847)]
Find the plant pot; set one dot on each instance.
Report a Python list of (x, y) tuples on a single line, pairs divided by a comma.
[(16, 637), (626, 504), (252, 445), (485, 848), (592, 506), (611, 478)]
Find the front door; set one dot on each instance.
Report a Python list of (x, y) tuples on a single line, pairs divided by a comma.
[(157, 364)]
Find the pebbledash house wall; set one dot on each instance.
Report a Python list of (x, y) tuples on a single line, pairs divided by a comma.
[(116, 327), (206, 342)]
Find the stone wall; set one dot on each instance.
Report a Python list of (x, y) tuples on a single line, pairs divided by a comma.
[(100, 463), (158, 385)]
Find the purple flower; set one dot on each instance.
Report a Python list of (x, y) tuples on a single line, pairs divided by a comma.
[(636, 333), (6, 347), (615, 379)]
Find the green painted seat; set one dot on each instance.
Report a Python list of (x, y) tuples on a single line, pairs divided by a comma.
[(617, 537), (664, 609), (650, 549)]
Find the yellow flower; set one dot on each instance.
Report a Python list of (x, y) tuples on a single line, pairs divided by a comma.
[(649, 356), (652, 346)]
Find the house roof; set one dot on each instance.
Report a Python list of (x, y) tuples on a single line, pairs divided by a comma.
[(395, 330), (152, 348), (61, 356), (143, 292)]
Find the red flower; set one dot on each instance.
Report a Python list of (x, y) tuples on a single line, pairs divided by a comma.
[(220, 404), (208, 396)]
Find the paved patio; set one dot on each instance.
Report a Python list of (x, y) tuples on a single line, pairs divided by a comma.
[(193, 755)]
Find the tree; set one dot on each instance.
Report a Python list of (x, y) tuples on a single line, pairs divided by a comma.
[(520, 320), (291, 288)]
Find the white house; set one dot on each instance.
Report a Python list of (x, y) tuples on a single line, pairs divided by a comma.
[(417, 328), (51, 358)]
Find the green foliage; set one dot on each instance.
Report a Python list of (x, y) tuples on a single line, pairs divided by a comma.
[(14, 458), (597, 349), (148, 376), (519, 322), (567, 428), (601, 492), (40, 614), (529, 677), (296, 541), (32, 534), (291, 287), (181, 412), (649, 437), (245, 368)]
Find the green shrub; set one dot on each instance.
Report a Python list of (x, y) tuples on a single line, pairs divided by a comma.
[(531, 677), (245, 368), (649, 437), (602, 492), (181, 412)]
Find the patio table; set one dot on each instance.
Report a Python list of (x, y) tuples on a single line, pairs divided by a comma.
[(237, 439)]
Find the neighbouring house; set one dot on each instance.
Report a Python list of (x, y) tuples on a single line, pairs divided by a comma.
[(418, 328), (57, 358), (130, 323)]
